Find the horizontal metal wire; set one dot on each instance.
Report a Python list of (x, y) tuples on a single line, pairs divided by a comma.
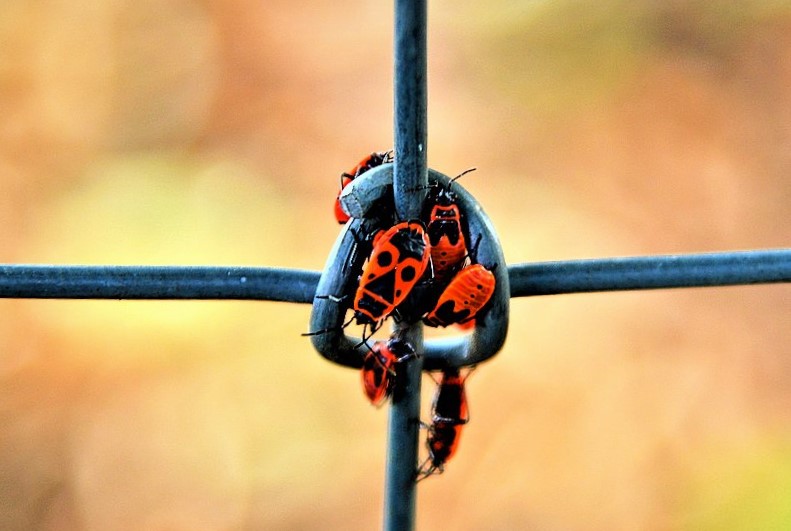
[(299, 285), (651, 272), (157, 282)]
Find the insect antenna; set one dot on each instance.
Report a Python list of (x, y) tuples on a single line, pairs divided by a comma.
[(317, 332), (462, 174), (364, 339), (332, 298), (326, 330), (472, 253)]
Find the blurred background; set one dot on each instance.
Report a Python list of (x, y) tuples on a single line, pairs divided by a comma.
[(214, 132)]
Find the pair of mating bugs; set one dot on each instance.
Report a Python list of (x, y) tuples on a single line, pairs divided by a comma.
[(428, 257), (449, 411)]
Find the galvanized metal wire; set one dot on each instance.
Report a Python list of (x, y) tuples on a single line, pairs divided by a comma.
[(30, 281), (410, 180), (651, 272), (156, 282)]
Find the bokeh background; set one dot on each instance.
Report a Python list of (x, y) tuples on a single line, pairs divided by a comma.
[(214, 132)]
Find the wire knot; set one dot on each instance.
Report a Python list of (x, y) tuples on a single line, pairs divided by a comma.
[(362, 199)]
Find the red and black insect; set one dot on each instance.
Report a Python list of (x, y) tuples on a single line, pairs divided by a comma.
[(463, 298), (399, 258), (368, 162), (449, 415), (448, 245), (379, 367)]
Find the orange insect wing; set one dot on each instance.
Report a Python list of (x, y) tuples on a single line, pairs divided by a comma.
[(467, 293), (399, 258)]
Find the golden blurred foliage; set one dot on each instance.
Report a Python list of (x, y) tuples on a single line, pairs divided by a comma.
[(213, 132)]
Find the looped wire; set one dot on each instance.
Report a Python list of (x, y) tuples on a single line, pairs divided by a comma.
[(336, 285)]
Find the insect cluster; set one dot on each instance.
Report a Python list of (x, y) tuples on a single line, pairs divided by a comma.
[(421, 269)]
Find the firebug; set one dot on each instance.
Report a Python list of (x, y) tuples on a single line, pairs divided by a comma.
[(449, 415), (463, 298), (379, 367), (448, 245), (398, 260), (367, 163)]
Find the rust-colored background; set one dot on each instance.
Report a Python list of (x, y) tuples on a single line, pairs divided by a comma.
[(214, 131)]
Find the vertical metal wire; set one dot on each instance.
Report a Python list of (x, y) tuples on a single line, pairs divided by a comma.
[(409, 187), (410, 171)]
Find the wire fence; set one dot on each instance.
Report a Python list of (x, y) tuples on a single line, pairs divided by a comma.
[(409, 183), (29, 281), (410, 180)]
